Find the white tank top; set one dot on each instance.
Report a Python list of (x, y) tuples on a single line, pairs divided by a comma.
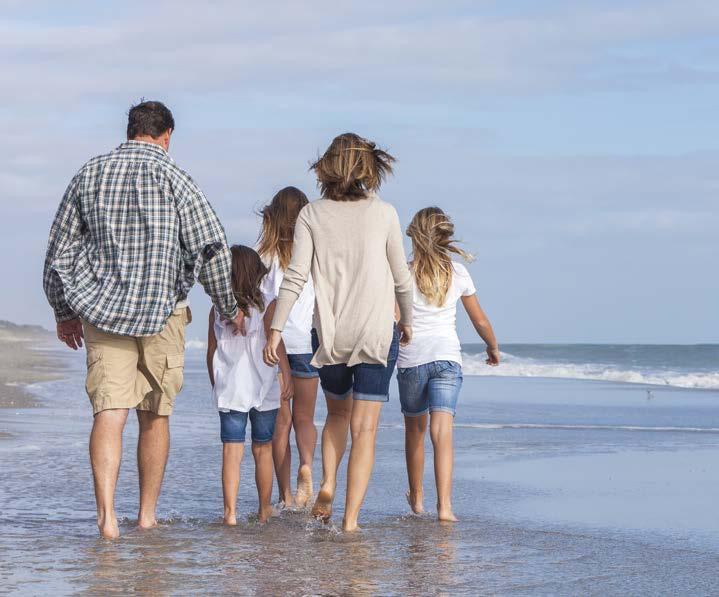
[(242, 380)]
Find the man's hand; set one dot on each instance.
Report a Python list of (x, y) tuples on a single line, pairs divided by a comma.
[(70, 333), (405, 333), (238, 324), (269, 354), (493, 356)]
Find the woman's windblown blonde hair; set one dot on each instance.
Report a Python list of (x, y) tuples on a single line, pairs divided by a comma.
[(432, 231), (279, 217), (351, 168)]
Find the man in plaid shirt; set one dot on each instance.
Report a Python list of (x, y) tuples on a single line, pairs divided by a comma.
[(131, 236)]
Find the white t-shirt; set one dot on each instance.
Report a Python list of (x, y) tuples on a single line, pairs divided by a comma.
[(242, 380), (434, 329), (298, 328)]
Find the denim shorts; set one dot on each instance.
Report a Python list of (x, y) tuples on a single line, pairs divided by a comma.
[(301, 366), (364, 381), (430, 387), (234, 423)]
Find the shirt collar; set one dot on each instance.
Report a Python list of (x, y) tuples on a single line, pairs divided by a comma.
[(134, 145)]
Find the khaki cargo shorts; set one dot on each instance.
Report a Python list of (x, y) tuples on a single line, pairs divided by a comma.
[(145, 373)]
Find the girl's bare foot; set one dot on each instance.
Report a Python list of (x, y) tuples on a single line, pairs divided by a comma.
[(348, 527), (415, 501), (146, 523), (322, 510), (446, 515), (107, 525), (304, 486), (230, 519), (264, 513)]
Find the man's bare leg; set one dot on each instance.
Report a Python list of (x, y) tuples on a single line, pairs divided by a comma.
[(281, 453), (365, 417), (153, 447), (334, 443), (303, 415), (105, 457)]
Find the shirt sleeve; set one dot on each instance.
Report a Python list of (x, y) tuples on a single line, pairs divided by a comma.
[(297, 272), (465, 285), (400, 271), (203, 239), (66, 230)]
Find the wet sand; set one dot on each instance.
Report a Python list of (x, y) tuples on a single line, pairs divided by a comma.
[(28, 355)]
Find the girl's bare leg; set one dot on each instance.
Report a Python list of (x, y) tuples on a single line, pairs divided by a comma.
[(414, 432), (281, 453), (440, 430), (303, 415), (365, 416), (262, 453), (334, 443), (232, 453)]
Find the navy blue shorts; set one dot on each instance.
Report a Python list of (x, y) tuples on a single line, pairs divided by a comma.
[(364, 381), (301, 366), (233, 425)]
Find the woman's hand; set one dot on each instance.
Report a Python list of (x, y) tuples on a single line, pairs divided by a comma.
[(269, 354), (405, 333), (493, 354), (287, 386)]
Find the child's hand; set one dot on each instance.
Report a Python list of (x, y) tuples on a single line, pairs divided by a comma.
[(287, 386), (493, 354)]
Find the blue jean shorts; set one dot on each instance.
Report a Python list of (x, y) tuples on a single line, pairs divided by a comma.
[(301, 366), (233, 425), (364, 381), (430, 387)]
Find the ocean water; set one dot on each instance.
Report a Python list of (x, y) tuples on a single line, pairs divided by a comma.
[(579, 470)]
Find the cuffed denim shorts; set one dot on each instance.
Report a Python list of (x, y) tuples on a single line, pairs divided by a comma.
[(233, 425), (430, 387), (301, 366), (364, 381)]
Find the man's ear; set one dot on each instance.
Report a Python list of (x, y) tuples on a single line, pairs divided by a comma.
[(166, 139)]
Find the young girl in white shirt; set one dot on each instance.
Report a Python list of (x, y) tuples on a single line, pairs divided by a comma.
[(243, 385), (275, 248), (429, 369)]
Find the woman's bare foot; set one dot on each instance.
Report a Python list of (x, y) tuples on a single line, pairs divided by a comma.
[(264, 513), (107, 525), (322, 510), (230, 519), (446, 514), (415, 501), (304, 486), (350, 527)]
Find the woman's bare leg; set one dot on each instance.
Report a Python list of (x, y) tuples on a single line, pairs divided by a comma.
[(334, 443), (281, 453), (440, 430), (232, 453), (414, 432), (365, 416), (262, 453), (303, 420)]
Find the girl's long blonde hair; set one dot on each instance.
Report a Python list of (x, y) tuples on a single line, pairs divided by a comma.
[(351, 168), (279, 217), (432, 231)]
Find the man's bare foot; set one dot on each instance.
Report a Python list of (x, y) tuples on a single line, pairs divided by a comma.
[(304, 486), (230, 519), (322, 510), (264, 513), (415, 501), (446, 515), (107, 525)]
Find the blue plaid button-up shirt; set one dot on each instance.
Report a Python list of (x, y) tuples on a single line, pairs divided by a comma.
[(131, 236)]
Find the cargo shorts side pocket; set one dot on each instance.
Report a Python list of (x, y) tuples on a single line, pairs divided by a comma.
[(95, 375), (173, 375)]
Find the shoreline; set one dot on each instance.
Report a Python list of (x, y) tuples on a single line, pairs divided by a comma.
[(24, 360)]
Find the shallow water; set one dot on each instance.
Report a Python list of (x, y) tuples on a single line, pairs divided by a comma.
[(562, 487)]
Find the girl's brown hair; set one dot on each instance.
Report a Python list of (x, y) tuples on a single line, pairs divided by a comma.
[(432, 231), (279, 217), (351, 167), (247, 274)]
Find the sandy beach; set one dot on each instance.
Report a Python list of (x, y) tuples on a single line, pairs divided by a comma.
[(28, 355)]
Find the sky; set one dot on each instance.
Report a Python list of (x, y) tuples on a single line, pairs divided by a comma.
[(575, 144)]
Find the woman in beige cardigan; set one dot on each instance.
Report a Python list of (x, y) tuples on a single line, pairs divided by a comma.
[(351, 242)]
